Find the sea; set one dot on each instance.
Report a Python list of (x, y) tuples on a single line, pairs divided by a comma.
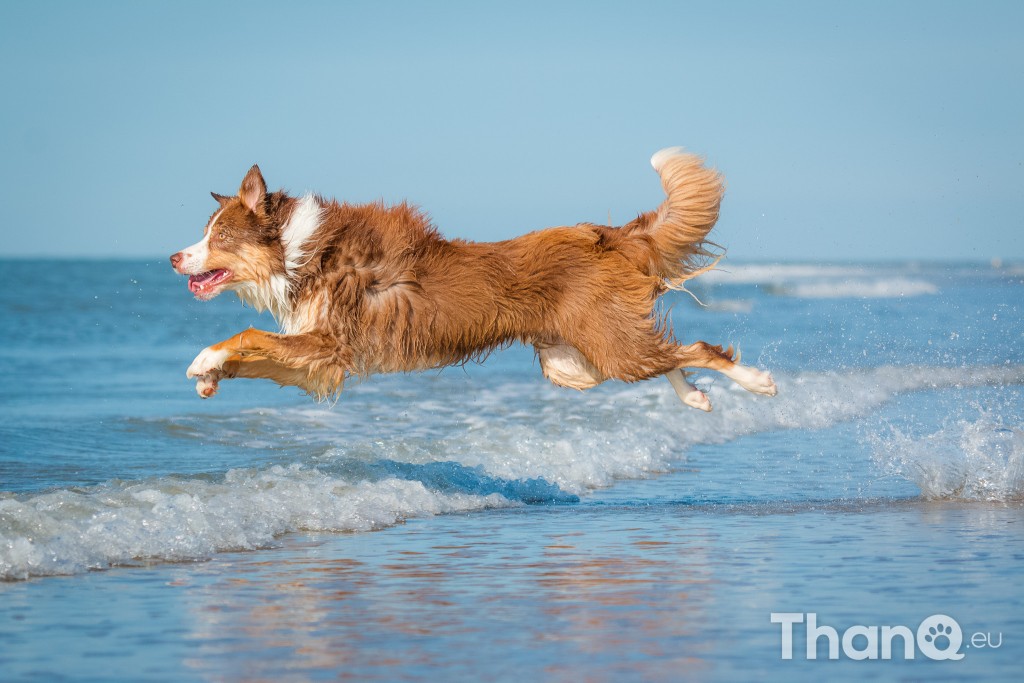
[(478, 523)]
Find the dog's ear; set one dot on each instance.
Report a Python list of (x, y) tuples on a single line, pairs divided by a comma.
[(221, 199), (253, 190)]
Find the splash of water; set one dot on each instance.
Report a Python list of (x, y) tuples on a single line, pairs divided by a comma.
[(965, 460)]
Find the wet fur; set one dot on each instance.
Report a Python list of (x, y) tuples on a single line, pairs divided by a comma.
[(374, 288)]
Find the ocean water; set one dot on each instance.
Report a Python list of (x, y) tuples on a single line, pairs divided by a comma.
[(478, 522)]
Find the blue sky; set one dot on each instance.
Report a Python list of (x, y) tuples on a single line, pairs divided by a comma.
[(859, 130)]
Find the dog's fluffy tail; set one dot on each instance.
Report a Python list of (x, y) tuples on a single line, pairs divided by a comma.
[(677, 231)]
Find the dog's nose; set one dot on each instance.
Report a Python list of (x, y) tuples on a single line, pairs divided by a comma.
[(175, 260)]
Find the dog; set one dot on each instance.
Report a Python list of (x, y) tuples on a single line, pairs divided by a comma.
[(365, 289)]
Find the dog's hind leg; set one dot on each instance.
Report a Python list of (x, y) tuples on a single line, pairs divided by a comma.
[(689, 394), (703, 355), (753, 380)]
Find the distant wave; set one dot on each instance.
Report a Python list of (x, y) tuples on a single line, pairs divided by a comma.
[(524, 443), (825, 282), (767, 273), (877, 288), (729, 305)]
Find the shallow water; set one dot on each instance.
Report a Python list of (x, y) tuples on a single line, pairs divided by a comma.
[(478, 521)]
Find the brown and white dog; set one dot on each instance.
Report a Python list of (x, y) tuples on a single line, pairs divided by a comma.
[(363, 289)]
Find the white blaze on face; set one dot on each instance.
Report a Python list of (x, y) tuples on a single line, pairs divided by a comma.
[(193, 261)]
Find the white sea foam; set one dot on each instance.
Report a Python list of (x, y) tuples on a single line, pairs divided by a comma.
[(524, 442), (643, 428), (967, 460), (66, 532)]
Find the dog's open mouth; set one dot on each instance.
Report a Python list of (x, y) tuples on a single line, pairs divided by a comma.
[(204, 285)]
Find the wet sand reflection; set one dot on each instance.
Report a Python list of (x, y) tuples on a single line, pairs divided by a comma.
[(618, 598)]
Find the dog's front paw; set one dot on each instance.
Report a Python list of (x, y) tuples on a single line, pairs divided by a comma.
[(209, 361)]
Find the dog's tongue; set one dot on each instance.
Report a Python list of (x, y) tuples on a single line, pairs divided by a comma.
[(197, 283)]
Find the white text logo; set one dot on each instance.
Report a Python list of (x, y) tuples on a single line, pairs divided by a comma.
[(938, 637)]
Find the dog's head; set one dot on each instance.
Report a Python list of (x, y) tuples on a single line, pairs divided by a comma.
[(240, 246)]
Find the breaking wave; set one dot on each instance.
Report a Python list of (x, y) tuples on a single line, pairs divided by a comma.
[(525, 442), (69, 531)]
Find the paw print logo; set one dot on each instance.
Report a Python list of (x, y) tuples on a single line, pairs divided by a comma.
[(939, 637), (940, 630)]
